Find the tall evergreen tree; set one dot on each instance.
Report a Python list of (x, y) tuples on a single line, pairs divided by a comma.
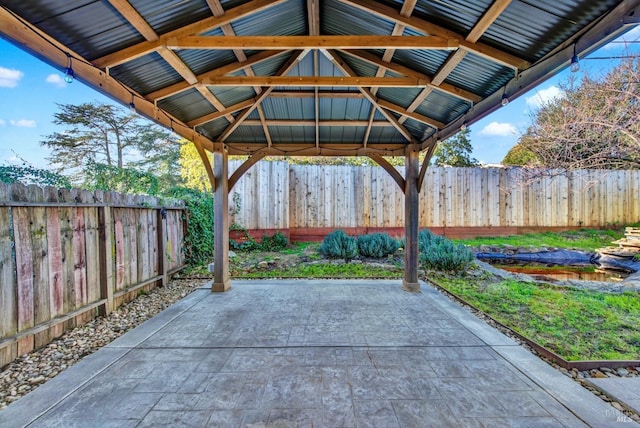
[(455, 151)]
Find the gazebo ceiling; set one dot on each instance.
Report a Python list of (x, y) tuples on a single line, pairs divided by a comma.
[(314, 77)]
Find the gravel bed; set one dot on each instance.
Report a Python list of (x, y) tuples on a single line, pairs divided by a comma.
[(31, 370)]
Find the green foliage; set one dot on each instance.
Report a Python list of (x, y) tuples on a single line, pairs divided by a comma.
[(339, 245), (192, 168), (440, 253), (377, 245), (100, 176), (28, 174), (199, 234), (276, 242), (583, 239), (455, 151), (519, 155)]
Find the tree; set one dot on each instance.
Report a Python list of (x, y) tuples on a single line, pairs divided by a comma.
[(593, 125), (519, 155), (107, 135), (455, 151), (192, 171), (28, 174)]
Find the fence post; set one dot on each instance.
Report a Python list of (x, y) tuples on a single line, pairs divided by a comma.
[(163, 261), (106, 254)]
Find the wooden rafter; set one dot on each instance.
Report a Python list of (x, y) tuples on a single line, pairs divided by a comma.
[(207, 24), (311, 42), (246, 165), (265, 127), (415, 116), (313, 15), (321, 94), (391, 170), (138, 22), (218, 114), (486, 51)]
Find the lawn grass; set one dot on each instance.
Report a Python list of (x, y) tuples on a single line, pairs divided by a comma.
[(583, 239), (575, 324), (325, 271)]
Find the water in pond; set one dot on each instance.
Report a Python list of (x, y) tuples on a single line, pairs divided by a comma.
[(560, 273)]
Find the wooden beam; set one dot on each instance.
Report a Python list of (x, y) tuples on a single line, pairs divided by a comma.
[(135, 19), (326, 149), (415, 116), (389, 13), (321, 81), (448, 66), (311, 42), (206, 93), (263, 123), (245, 166), (310, 123), (177, 64), (367, 134), (311, 94), (487, 19), (313, 16), (221, 277), (221, 71), (144, 48)]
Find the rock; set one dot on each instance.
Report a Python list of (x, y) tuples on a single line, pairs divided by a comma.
[(232, 254), (36, 380), (598, 374), (622, 372)]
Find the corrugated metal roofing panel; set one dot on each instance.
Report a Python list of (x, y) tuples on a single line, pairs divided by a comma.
[(165, 16), (214, 128), (420, 130), (229, 95), (479, 75), (425, 61), (292, 134), (146, 74), (344, 108), (289, 108), (532, 29), (360, 67), (341, 134), (457, 15), (400, 96), (200, 61), (271, 66), (187, 105), (339, 18), (285, 19), (442, 107), (386, 134), (247, 134)]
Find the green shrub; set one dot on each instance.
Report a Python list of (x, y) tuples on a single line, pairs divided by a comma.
[(198, 240), (276, 242), (377, 245), (440, 253), (339, 245)]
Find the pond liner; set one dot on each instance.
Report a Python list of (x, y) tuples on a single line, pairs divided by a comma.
[(580, 365)]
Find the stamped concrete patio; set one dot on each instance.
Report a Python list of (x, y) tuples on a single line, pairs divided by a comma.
[(312, 353)]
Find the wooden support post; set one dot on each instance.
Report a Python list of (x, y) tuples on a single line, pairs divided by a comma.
[(411, 214), (221, 280)]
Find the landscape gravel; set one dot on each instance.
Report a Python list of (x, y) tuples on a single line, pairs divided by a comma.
[(31, 370)]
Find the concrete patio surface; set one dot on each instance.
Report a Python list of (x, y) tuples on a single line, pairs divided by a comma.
[(312, 353)]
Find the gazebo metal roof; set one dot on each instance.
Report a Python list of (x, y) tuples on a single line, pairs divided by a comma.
[(317, 76), (314, 77)]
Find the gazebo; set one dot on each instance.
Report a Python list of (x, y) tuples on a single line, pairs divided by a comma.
[(314, 77)]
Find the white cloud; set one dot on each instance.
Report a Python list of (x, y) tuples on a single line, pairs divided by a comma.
[(544, 96), (496, 129), (23, 123), (9, 77), (56, 80)]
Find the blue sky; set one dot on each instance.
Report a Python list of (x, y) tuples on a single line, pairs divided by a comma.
[(30, 90)]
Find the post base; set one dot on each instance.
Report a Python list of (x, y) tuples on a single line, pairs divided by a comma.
[(411, 287), (219, 287)]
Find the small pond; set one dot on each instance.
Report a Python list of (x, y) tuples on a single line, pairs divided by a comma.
[(542, 271)]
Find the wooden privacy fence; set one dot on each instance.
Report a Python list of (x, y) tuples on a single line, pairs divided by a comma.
[(67, 255), (307, 201)]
